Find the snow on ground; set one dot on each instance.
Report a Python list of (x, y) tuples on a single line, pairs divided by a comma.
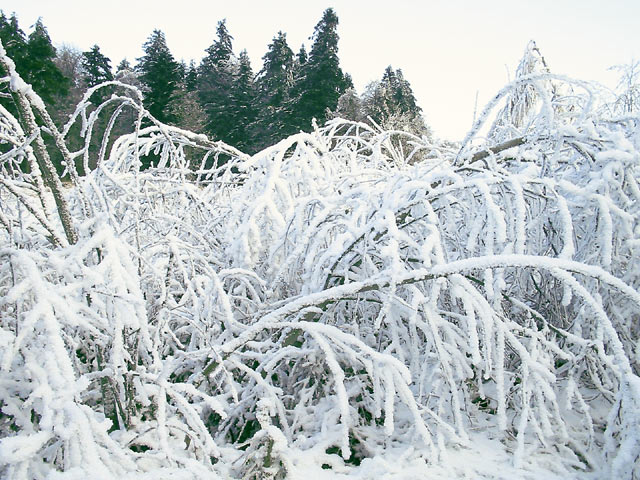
[(348, 303)]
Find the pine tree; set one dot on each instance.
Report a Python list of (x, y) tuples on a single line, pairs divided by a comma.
[(244, 106), (350, 107), (14, 41), (96, 66), (15, 44), (96, 69), (215, 82), (390, 103), (125, 73), (43, 74), (34, 58), (323, 81), (274, 84), (302, 57), (185, 107), (191, 77), (159, 73)]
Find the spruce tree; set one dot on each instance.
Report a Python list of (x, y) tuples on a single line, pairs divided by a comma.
[(14, 41), (323, 81), (391, 104), (215, 82), (34, 57), (185, 106), (274, 84), (302, 57), (96, 67), (43, 74), (15, 44), (159, 73), (244, 106), (191, 77)]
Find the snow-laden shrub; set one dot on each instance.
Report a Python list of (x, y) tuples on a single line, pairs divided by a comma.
[(325, 304)]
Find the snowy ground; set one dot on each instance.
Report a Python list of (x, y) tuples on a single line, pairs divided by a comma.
[(348, 303)]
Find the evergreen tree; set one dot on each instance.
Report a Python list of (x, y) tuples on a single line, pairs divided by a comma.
[(43, 74), (15, 44), (302, 57), (391, 104), (274, 84), (191, 77), (34, 58), (215, 82), (159, 73), (185, 107), (96, 67), (323, 81), (125, 73), (14, 41), (124, 65), (244, 107), (350, 107)]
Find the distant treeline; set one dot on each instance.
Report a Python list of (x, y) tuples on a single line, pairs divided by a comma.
[(221, 96)]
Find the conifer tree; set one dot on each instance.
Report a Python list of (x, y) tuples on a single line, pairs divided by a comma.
[(215, 81), (274, 84), (388, 103), (44, 76), (14, 41), (191, 77), (96, 66), (391, 97), (244, 106), (302, 57), (159, 73), (96, 69), (323, 81), (34, 57), (185, 107)]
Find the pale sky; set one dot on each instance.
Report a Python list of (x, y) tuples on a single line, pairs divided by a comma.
[(448, 50)]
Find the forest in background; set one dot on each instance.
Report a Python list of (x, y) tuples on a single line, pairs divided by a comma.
[(221, 96)]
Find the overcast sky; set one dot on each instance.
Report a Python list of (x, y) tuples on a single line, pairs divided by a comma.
[(448, 50)]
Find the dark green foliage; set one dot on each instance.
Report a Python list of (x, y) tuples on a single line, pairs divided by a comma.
[(123, 66), (34, 59), (215, 84), (191, 77), (221, 96), (274, 83), (13, 41), (96, 67), (243, 106), (159, 73), (43, 74), (322, 80)]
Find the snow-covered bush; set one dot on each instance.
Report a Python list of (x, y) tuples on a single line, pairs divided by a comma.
[(327, 305)]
